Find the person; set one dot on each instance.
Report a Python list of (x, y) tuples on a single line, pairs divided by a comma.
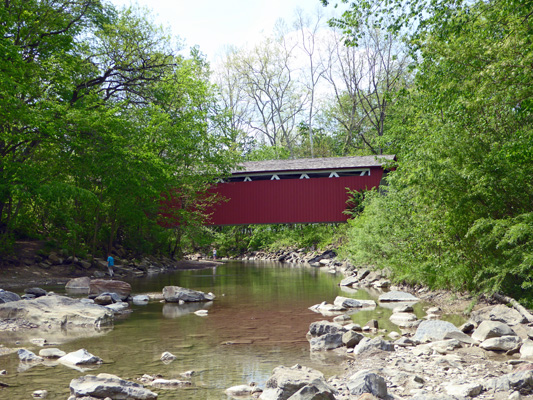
[(214, 254), (110, 264)]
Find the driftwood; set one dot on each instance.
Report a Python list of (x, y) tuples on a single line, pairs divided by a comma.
[(517, 306)]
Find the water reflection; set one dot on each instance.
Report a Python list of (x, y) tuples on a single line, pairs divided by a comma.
[(258, 321)]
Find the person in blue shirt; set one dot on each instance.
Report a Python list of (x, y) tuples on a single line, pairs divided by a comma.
[(110, 264)]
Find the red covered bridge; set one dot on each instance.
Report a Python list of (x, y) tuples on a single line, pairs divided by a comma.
[(312, 190)]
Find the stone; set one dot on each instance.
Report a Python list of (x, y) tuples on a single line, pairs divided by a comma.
[(286, 381), (99, 286), (51, 352), (342, 319), (349, 281), (396, 295), (28, 356), (367, 382), (502, 343), (500, 313), (167, 357), (351, 338), (315, 391), (242, 390), (324, 327), (513, 381), (6, 296), (140, 300), (37, 292), (526, 351), (460, 336), (490, 329), (464, 390), (80, 357), (367, 344), (403, 319), (175, 294), (347, 302), (103, 299), (329, 341), (39, 394), (404, 308), (55, 313), (373, 324), (106, 385), (81, 283), (433, 330)]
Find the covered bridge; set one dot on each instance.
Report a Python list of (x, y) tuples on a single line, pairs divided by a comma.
[(310, 190)]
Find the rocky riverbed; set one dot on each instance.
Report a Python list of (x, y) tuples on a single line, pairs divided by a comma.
[(489, 357)]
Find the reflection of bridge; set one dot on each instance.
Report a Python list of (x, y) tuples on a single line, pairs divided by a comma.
[(311, 190)]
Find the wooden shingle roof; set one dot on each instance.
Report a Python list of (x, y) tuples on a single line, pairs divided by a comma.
[(312, 164)]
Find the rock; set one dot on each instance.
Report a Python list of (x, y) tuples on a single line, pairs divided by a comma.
[(167, 357), (201, 313), (85, 265), (54, 313), (526, 351), (367, 382), (404, 308), (242, 390), (460, 336), (349, 281), (175, 294), (140, 300), (99, 286), (347, 302), (170, 384), (39, 394), (396, 295), (500, 313), (403, 319), (514, 381), (372, 324), (118, 307), (39, 341), (490, 329), (80, 357), (51, 352), (37, 292), (6, 297), (351, 338), (285, 381), (464, 390), (329, 341), (367, 344), (315, 391), (439, 346), (28, 356), (79, 284), (320, 328), (433, 330), (107, 385), (502, 343), (342, 319), (103, 299)]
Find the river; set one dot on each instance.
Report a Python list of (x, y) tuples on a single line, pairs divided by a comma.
[(257, 322)]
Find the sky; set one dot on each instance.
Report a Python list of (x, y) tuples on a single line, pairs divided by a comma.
[(214, 24)]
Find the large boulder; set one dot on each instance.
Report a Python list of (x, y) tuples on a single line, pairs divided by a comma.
[(433, 330), (99, 286), (501, 343), (175, 294), (500, 313), (286, 381), (329, 341), (324, 327), (492, 329), (54, 313), (6, 296), (367, 344), (513, 381), (107, 385)]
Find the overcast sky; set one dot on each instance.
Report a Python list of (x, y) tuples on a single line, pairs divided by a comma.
[(213, 24)]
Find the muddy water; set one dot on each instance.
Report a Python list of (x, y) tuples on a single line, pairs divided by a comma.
[(258, 321)]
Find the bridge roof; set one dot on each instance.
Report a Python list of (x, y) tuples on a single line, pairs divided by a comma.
[(312, 164)]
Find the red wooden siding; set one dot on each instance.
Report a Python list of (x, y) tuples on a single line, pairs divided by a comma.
[(288, 200)]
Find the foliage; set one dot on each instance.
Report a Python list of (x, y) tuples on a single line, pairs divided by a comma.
[(99, 118), (458, 210)]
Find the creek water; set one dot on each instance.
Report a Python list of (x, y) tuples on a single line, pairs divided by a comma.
[(257, 322)]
